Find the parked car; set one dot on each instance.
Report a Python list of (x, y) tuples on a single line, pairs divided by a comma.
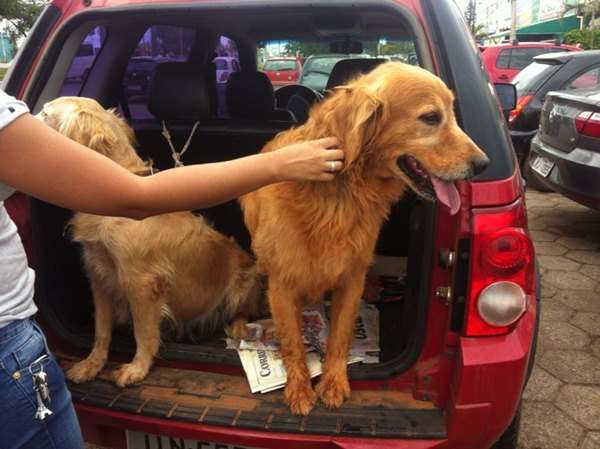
[(226, 65), (548, 72), (139, 72), (282, 71), (504, 61), (457, 341), (565, 153), (317, 68), (82, 62)]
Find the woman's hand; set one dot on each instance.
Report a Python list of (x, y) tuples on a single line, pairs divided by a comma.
[(313, 160)]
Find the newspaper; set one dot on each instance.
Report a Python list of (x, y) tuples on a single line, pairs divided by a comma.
[(261, 359)]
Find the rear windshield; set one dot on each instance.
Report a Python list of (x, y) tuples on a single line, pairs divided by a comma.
[(280, 66), (531, 77), (519, 58)]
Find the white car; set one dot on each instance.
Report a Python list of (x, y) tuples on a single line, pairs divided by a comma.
[(226, 65)]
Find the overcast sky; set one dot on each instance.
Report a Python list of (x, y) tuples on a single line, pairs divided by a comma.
[(462, 4)]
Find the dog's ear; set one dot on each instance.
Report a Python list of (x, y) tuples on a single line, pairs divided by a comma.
[(86, 128), (359, 115)]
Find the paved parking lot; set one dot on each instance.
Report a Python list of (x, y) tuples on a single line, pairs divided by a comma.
[(561, 407)]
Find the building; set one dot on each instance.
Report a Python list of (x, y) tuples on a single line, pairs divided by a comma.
[(6, 48), (537, 20)]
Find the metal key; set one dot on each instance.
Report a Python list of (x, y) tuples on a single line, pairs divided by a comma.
[(40, 386)]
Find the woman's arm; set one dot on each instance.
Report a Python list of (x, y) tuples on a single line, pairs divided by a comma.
[(39, 161)]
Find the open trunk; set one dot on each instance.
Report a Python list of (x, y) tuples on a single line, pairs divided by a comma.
[(188, 382)]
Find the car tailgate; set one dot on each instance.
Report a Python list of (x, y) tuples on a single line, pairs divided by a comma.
[(559, 114)]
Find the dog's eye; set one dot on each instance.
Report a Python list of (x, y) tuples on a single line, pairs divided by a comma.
[(431, 118)]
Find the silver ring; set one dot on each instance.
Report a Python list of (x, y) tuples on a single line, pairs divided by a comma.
[(332, 164)]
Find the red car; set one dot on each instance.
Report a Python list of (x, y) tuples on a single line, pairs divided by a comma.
[(504, 61), (282, 71), (457, 295)]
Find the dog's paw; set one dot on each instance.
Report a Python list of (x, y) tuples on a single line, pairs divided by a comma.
[(333, 390), (129, 374), (83, 371), (300, 398), (237, 330)]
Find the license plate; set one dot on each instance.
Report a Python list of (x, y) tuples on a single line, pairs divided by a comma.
[(140, 440), (542, 166)]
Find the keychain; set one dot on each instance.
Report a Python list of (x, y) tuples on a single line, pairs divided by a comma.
[(40, 386)]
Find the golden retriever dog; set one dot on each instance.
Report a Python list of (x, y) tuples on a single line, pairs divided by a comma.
[(398, 129), (172, 267)]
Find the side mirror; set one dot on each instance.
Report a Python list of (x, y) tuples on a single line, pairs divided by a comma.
[(507, 96)]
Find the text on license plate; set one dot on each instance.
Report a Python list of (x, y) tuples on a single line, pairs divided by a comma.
[(542, 166), (140, 440)]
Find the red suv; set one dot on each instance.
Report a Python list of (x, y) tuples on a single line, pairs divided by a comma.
[(457, 341), (504, 61)]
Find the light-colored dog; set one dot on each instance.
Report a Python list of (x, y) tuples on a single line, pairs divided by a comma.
[(398, 129), (173, 268)]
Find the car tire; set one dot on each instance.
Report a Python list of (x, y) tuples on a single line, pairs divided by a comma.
[(510, 437), (530, 179)]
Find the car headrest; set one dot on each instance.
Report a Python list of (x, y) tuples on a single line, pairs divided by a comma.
[(346, 69), (178, 91), (250, 95)]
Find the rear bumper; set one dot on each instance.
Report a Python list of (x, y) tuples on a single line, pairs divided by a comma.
[(576, 174), (486, 390)]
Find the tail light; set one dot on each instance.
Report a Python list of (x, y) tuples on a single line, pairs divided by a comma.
[(521, 103), (588, 123), (502, 270)]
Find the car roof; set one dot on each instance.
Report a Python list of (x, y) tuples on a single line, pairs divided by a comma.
[(566, 56), (530, 44)]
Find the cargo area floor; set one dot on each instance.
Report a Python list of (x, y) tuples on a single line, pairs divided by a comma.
[(225, 400)]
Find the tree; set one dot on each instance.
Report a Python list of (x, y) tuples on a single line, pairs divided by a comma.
[(305, 49), (21, 15), (471, 15), (589, 10)]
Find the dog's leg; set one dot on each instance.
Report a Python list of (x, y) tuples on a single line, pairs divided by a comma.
[(145, 304), (334, 388), (237, 328), (103, 318), (286, 311)]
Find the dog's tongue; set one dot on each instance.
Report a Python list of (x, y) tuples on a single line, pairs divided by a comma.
[(446, 193)]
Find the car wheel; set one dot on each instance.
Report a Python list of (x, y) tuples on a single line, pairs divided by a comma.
[(530, 179), (510, 437)]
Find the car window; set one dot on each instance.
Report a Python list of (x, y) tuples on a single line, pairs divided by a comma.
[(528, 79), (227, 61), (519, 58), (82, 62), (158, 44), (522, 57), (318, 57), (279, 66), (503, 59), (589, 79)]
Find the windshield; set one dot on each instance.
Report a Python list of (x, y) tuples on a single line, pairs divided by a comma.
[(531, 77), (221, 64), (279, 66)]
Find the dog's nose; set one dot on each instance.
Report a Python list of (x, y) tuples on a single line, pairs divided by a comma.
[(479, 165)]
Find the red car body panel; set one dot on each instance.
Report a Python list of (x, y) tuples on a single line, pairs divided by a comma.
[(498, 74), (283, 77), (477, 381)]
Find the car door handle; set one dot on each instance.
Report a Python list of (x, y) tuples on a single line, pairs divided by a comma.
[(503, 77)]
